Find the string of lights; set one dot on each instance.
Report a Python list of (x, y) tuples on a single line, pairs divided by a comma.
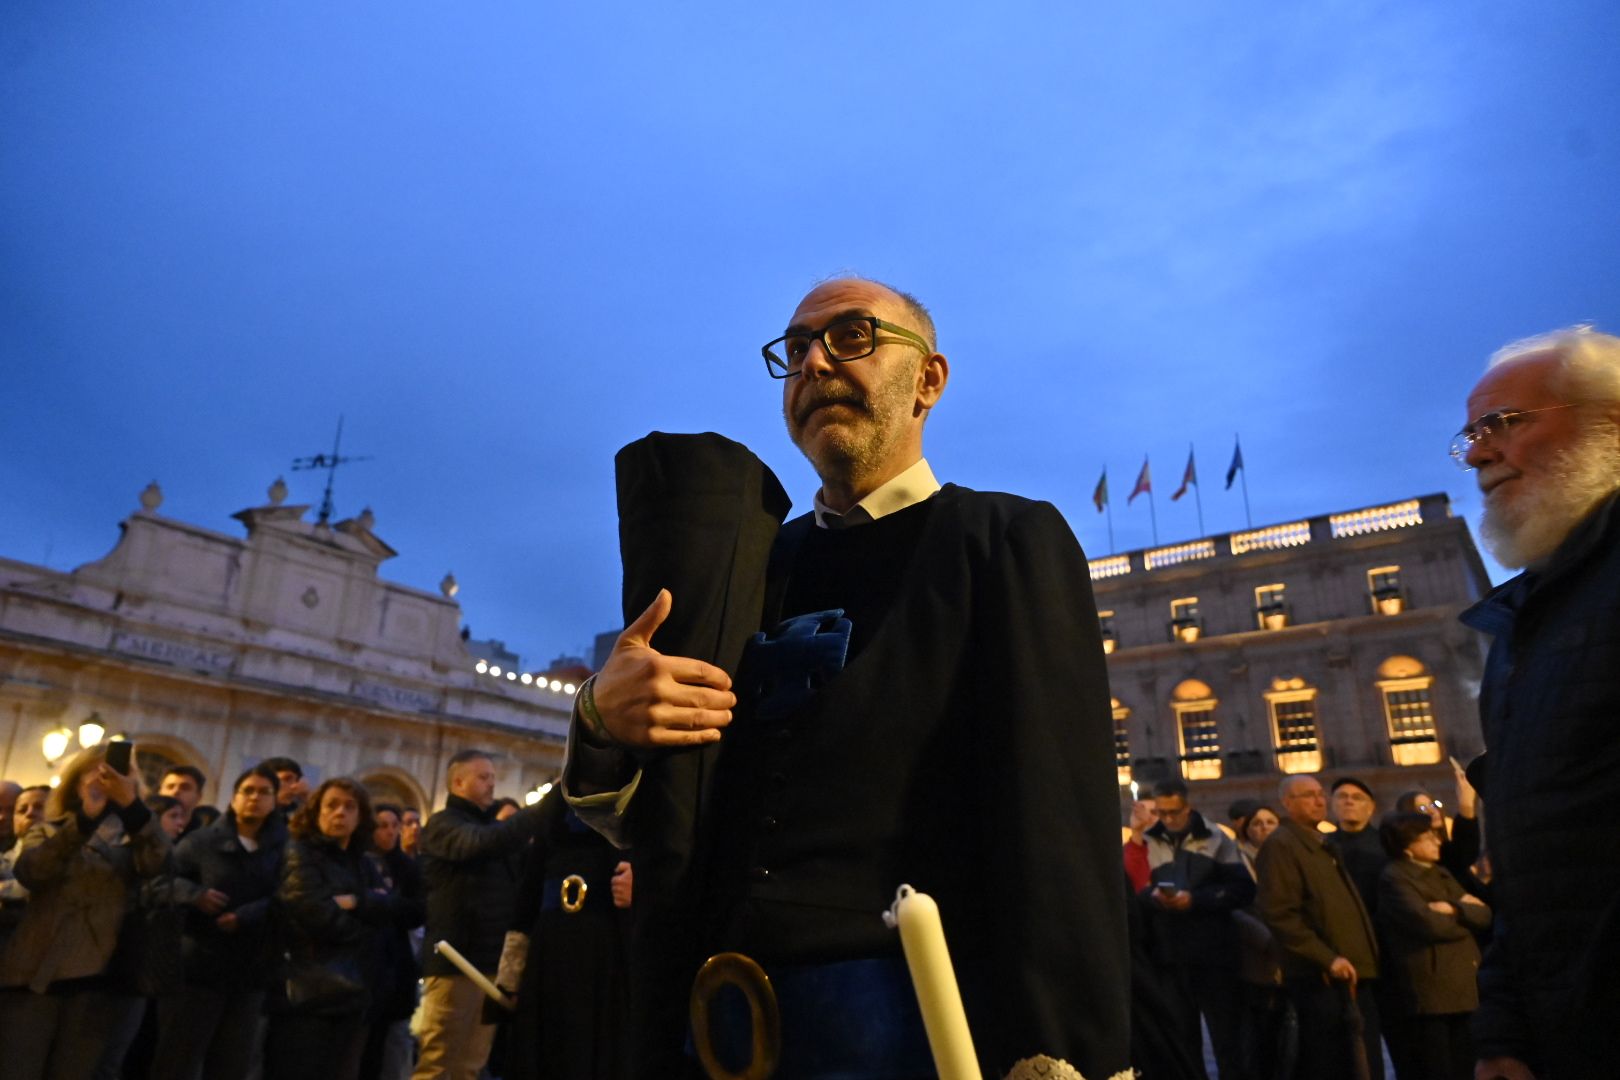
[(539, 682)]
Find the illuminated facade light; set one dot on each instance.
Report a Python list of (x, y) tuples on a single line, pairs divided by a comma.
[(1272, 538), (1376, 519), (532, 797), (556, 684), (1178, 553), (91, 732), (569, 688), (511, 676), (481, 667), (495, 669), (526, 678), (1113, 566)]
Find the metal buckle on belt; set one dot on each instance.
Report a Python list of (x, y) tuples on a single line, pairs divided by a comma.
[(575, 904), (765, 1019)]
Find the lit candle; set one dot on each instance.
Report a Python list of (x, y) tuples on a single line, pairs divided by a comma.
[(480, 980), (923, 939)]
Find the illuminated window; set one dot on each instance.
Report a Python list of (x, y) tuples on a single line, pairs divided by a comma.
[(1270, 607), (1384, 590), (1110, 640), (1293, 725), (1185, 625), (1194, 704), (1405, 686), (1122, 742)]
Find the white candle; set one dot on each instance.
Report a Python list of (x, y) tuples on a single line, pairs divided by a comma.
[(452, 954), (923, 939)]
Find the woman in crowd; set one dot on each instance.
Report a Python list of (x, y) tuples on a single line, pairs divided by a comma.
[(1459, 844), (1265, 1009), (333, 905), (1427, 923), (80, 866)]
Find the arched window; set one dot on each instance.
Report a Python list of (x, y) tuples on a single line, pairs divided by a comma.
[(1196, 727), (1122, 742), (1404, 684), (1292, 704)]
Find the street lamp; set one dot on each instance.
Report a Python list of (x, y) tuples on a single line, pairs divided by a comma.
[(91, 731), (55, 744)]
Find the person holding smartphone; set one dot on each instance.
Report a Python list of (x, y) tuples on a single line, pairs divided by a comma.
[(97, 843)]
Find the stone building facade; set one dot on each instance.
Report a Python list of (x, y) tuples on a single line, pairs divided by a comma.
[(218, 650), (1328, 645)]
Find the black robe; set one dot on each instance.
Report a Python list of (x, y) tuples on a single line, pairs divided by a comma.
[(965, 749)]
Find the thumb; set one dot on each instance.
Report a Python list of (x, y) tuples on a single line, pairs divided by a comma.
[(639, 633)]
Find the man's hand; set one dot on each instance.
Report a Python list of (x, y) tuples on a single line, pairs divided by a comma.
[(1502, 1068), (623, 881), (647, 699), (1342, 970), (346, 901), (1470, 898), (211, 902), (1467, 797), (1442, 907), (1179, 901), (228, 922)]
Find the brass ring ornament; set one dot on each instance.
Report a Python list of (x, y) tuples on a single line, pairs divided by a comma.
[(764, 1018), (573, 904)]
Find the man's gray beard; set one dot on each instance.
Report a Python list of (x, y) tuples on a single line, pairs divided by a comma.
[(1529, 528), (855, 455)]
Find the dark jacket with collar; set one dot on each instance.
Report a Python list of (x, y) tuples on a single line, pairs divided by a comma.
[(329, 949), (1430, 960), (213, 858), (472, 865), (1550, 778), (1312, 906), (1206, 863)]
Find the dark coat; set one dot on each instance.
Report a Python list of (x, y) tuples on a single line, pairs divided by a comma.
[(393, 968), (958, 750), (328, 948), (1550, 779), (471, 864), (213, 858), (1431, 961), (1312, 906), (1207, 864)]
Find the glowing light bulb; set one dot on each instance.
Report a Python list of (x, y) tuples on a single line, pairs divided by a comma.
[(90, 733), (495, 670), (526, 678), (55, 744), (556, 684), (532, 797), (569, 688), (511, 676), (481, 667)]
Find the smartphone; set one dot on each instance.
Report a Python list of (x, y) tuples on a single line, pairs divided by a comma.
[(1166, 887), (118, 755)]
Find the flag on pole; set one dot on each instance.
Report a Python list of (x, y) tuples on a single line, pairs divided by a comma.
[(1100, 495), (1237, 464), (1188, 478), (1144, 482)]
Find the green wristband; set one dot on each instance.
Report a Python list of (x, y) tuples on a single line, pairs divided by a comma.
[(586, 701)]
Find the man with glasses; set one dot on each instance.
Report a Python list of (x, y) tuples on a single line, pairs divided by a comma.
[(226, 873), (953, 732), (1197, 880), (1544, 439)]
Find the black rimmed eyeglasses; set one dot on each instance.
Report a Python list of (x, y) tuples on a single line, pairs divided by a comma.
[(1489, 426), (846, 339)]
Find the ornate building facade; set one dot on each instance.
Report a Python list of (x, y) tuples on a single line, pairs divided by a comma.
[(1327, 645), (219, 650)]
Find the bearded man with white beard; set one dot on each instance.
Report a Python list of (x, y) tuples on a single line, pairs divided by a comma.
[(1544, 437)]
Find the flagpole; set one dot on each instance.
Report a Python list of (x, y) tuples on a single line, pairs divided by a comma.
[(1244, 473), (1109, 505), (1198, 501), (1153, 516)]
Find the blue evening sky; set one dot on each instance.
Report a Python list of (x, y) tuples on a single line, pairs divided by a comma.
[(504, 239)]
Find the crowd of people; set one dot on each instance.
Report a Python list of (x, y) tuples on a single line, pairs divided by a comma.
[(1305, 952), (291, 936)]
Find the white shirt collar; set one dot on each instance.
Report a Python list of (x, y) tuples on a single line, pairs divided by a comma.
[(907, 489)]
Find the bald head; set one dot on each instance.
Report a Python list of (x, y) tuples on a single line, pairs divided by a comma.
[(1303, 800)]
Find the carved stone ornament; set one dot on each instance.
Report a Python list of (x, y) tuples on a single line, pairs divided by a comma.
[(278, 492), (449, 586), (151, 497), (311, 598), (1041, 1067)]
